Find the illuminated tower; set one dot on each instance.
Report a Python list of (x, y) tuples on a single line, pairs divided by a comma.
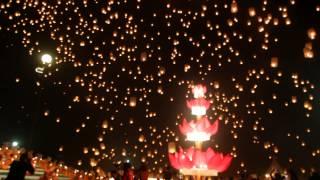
[(195, 160)]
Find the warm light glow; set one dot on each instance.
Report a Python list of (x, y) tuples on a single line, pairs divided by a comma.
[(198, 110), (199, 91), (274, 62), (15, 144), (198, 136), (133, 102), (200, 171), (46, 59), (194, 127), (171, 147), (207, 160), (39, 70)]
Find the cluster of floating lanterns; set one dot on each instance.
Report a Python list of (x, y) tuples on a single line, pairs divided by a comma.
[(122, 60)]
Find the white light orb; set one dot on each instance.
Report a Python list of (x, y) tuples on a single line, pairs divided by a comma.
[(198, 110), (15, 144), (46, 59)]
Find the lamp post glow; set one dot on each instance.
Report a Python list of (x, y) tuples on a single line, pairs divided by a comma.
[(46, 59), (15, 144)]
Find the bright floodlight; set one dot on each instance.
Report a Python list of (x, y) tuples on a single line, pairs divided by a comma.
[(15, 144), (46, 59), (198, 136), (198, 110)]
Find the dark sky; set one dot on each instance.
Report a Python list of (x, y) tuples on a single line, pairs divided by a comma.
[(127, 49)]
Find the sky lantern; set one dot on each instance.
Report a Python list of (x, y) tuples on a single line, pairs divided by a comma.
[(308, 53), (234, 7), (93, 163), (171, 147), (105, 124), (252, 11), (85, 150), (141, 138), (274, 62), (312, 33), (195, 160), (143, 56), (133, 102), (216, 85), (105, 62)]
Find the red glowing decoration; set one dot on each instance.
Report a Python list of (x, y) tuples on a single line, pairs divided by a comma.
[(196, 159), (198, 106), (201, 102), (198, 130)]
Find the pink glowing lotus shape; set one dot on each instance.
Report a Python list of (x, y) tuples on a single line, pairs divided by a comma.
[(201, 126), (198, 106), (197, 159), (200, 102)]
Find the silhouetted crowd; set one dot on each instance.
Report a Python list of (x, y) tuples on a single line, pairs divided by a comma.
[(19, 169), (128, 173)]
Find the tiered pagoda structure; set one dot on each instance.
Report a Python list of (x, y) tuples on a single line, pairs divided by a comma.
[(195, 160)]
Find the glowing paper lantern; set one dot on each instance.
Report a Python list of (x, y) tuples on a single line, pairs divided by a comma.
[(133, 102), (141, 138), (312, 33), (307, 105), (143, 56), (79, 163), (234, 7), (102, 146), (308, 53), (61, 148), (93, 163), (274, 62), (171, 147), (105, 124), (85, 150), (252, 12), (216, 85)]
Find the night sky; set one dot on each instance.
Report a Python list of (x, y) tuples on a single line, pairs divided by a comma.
[(108, 53)]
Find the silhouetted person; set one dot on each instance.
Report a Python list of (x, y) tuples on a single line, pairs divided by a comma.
[(314, 176), (115, 175), (167, 173), (278, 176), (19, 168), (127, 172), (142, 173), (292, 174)]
